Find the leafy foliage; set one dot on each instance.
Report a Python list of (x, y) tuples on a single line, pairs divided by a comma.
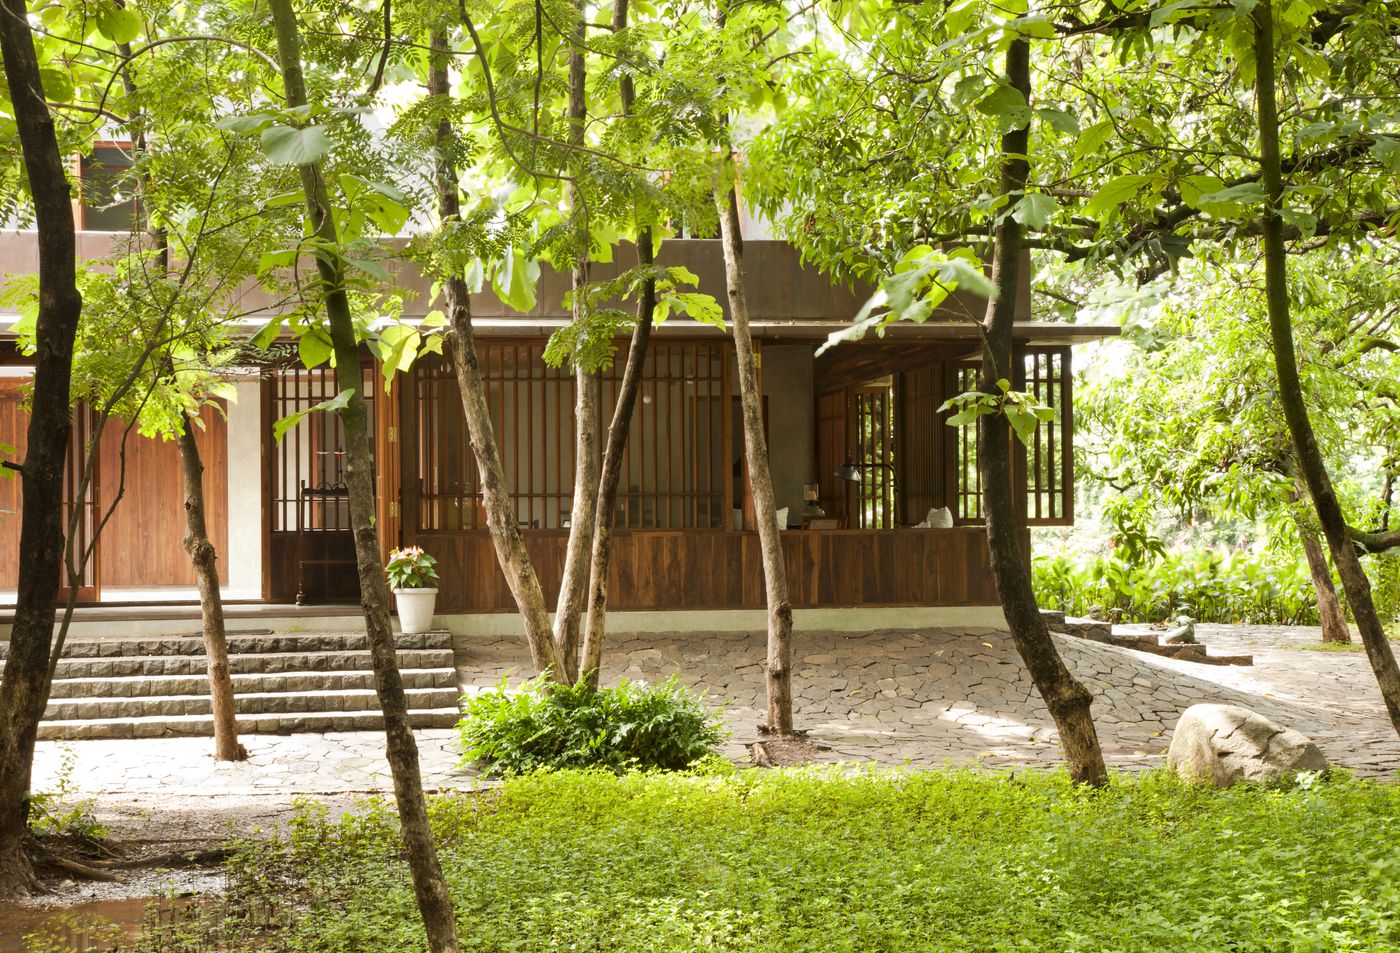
[(627, 727), (411, 568), (1210, 585), (829, 860)]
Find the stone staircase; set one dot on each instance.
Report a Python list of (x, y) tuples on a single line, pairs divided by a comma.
[(283, 684)]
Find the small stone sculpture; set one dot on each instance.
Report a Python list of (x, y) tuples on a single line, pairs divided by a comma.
[(1183, 634)]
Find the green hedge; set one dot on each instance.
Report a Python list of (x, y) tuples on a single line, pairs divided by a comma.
[(1207, 584)]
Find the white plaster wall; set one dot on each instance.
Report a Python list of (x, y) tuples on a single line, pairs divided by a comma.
[(245, 489)]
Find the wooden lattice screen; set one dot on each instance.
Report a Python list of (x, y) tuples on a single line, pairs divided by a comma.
[(1046, 467), (874, 455), (966, 480), (672, 474), (1049, 460)]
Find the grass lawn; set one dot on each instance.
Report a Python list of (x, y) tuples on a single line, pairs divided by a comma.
[(821, 861)]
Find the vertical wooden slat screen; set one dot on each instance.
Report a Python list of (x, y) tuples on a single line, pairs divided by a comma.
[(1045, 469), (874, 426), (673, 472), (1050, 459), (308, 545), (964, 479)]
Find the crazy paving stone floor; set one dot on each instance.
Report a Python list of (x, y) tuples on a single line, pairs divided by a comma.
[(888, 697)]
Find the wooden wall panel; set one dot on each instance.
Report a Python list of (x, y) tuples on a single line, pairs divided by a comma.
[(141, 545), (14, 426), (677, 570)]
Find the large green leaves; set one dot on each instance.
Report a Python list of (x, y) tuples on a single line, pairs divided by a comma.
[(289, 145), (922, 280)]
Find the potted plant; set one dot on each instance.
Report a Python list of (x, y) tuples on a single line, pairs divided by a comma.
[(414, 582)]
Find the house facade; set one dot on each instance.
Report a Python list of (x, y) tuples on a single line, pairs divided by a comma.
[(860, 455)]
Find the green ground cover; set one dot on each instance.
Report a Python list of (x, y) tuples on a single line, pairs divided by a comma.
[(823, 861)]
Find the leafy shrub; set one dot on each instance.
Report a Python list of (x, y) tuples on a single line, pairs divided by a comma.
[(544, 725), (58, 812), (1209, 585), (835, 860)]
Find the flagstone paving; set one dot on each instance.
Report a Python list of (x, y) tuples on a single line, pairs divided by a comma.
[(889, 697)]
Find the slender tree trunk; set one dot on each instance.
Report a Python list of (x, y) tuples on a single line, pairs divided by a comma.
[(606, 510), (510, 549), (1069, 702), (430, 888), (1329, 606), (1295, 411), (779, 667), (211, 603), (596, 632), (23, 690), (573, 590)]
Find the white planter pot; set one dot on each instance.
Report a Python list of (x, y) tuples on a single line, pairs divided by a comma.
[(415, 609)]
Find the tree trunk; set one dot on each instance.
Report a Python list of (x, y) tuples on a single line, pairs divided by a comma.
[(1069, 702), (1295, 411), (23, 690), (573, 590), (1329, 607), (779, 668), (606, 510), (495, 495), (211, 603), (430, 888)]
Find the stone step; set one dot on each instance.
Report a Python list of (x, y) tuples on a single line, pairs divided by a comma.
[(148, 686), (261, 663), (244, 644), (203, 725), (255, 703)]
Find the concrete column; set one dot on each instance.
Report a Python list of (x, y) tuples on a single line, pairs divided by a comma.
[(245, 491)]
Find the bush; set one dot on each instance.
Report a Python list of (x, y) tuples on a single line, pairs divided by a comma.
[(545, 725), (1209, 585), (832, 860)]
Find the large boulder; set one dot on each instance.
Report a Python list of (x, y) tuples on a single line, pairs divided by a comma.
[(1223, 744)]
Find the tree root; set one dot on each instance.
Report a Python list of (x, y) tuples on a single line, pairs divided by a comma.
[(178, 858), (78, 869)]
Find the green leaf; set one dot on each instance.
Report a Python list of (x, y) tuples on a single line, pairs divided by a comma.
[(1387, 152), (1059, 120), (314, 347), (1115, 193), (118, 24), (1035, 210), (1037, 27), (1007, 105), (271, 260), (1194, 186), (286, 145), (515, 279), (267, 333), (1091, 139), (1232, 201), (702, 307), (58, 85), (244, 124), (338, 402)]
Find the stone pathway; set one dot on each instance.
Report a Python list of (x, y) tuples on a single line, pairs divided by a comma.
[(889, 697)]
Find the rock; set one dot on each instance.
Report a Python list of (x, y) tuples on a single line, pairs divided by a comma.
[(1054, 618), (1225, 744)]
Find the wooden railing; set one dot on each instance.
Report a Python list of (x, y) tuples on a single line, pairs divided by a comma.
[(681, 569)]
